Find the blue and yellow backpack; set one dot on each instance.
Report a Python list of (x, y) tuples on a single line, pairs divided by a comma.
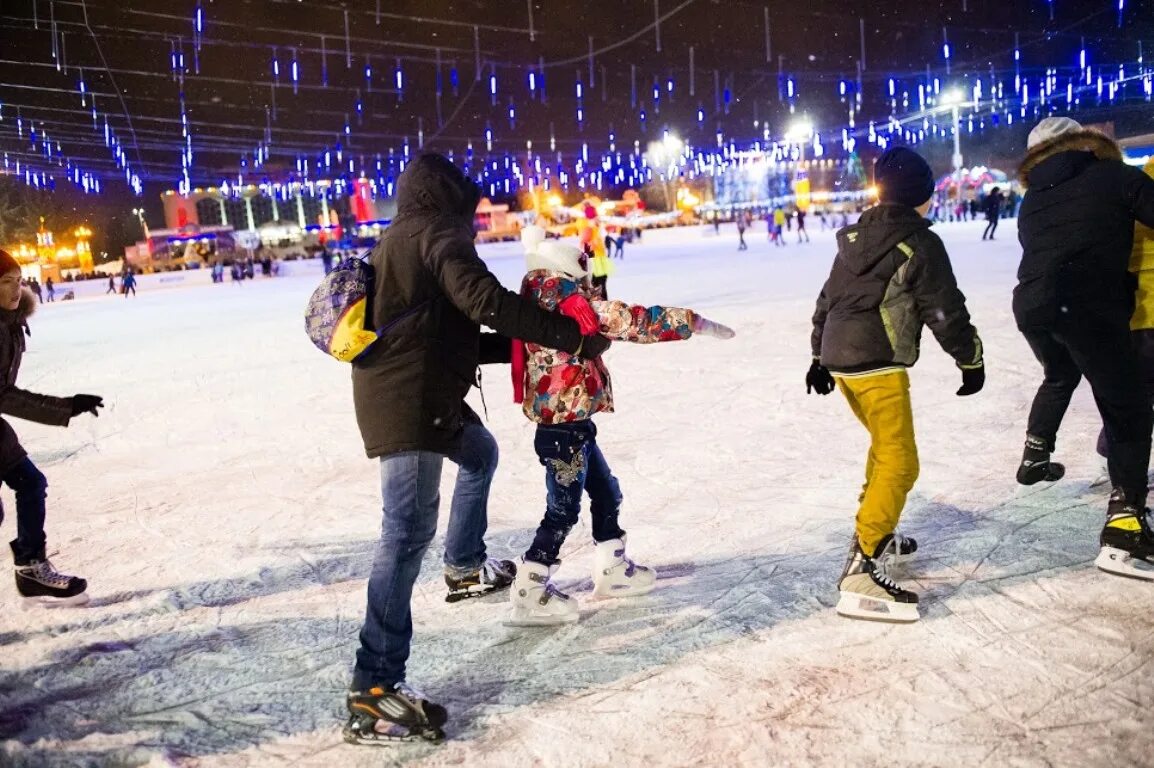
[(338, 313)]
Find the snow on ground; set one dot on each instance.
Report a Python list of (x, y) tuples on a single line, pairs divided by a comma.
[(225, 516)]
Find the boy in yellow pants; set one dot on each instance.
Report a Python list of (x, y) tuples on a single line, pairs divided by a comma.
[(891, 276)]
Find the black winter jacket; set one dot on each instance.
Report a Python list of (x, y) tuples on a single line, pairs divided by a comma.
[(409, 388), (1076, 227), (891, 275), (45, 409)]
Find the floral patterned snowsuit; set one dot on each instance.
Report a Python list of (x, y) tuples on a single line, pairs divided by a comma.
[(561, 393)]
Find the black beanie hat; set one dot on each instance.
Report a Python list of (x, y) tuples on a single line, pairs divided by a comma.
[(7, 263), (903, 177)]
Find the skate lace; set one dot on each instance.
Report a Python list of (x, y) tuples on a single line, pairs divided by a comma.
[(493, 568), (881, 572), (630, 566), (45, 573), (408, 692)]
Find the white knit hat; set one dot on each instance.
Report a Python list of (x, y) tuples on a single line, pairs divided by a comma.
[(1051, 128), (557, 256)]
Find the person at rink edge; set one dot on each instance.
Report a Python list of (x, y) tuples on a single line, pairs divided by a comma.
[(560, 393), (890, 277), (409, 396), (37, 581), (1074, 303)]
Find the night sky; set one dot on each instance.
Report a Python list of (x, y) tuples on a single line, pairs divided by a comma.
[(235, 109)]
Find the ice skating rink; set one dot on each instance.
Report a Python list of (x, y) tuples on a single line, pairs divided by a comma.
[(225, 516)]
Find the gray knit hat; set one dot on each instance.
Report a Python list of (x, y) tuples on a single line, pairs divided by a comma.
[(1051, 128)]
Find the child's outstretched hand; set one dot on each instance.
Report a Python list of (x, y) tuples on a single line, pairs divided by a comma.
[(86, 404), (707, 327)]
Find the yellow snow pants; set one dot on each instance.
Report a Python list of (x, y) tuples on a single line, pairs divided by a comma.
[(882, 403)]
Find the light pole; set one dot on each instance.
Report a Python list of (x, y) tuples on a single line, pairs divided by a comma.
[(955, 101), (663, 154), (799, 133), (139, 212)]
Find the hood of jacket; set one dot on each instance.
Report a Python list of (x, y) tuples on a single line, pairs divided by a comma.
[(24, 310), (1064, 157), (880, 229), (433, 185)]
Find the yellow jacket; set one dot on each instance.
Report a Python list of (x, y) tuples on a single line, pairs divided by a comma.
[(1142, 265)]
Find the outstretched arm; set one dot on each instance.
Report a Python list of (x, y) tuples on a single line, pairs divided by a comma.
[(474, 290), (44, 409), (643, 325)]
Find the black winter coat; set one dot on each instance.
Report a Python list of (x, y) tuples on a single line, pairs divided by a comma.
[(1076, 227), (891, 276), (55, 411), (409, 388)]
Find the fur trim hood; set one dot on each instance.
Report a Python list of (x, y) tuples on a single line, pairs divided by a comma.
[(24, 310), (1085, 140)]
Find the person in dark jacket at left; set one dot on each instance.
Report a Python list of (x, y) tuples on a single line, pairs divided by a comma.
[(433, 292), (891, 276), (37, 580)]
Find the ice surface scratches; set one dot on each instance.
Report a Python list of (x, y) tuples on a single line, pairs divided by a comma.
[(226, 518)]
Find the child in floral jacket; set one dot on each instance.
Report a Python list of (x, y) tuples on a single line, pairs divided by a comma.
[(560, 392)]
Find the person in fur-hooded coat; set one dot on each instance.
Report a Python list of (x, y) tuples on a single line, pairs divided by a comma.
[(1075, 295), (35, 578)]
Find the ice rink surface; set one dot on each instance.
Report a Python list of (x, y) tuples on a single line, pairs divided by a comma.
[(225, 515)]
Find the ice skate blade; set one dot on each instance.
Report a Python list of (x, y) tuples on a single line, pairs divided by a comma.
[(856, 606), (1122, 563), (473, 592), (521, 618), (376, 739), (45, 601), (621, 590)]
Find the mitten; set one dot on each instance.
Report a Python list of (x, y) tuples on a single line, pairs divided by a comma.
[(86, 404), (973, 379), (706, 327), (818, 379), (592, 346)]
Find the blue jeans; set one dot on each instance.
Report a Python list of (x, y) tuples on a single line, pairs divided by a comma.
[(573, 463), (411, 492), (31, 489)]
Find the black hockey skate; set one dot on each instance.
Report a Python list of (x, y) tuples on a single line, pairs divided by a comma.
[(868, 592), (378, 717), (494, 575), (1127, 540), (41, 584), (1036, 466)]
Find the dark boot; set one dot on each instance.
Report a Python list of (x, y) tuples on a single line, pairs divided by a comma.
[(1036, 466)]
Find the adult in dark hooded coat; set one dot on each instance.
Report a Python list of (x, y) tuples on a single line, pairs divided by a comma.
[(1073, 303), (433, 292)]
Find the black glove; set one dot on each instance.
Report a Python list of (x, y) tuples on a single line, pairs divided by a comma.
[(86, 404), (592, 346), (973, 379), (818, 379)]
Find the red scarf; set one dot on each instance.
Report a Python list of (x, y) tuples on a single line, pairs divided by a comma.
[(576, 307)]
